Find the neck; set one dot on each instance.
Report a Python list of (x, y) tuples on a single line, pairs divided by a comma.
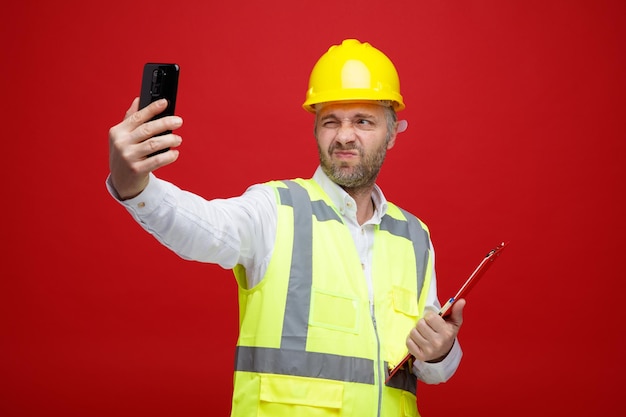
[(364, 203)]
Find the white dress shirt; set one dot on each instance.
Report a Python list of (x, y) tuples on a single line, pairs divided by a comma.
[(241, 230)]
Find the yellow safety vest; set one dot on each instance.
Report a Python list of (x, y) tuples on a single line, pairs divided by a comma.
[(308, 345)]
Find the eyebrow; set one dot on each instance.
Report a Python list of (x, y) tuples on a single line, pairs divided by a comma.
[(356, 116)]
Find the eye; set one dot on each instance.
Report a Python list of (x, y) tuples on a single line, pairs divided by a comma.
[(331, 124), (365, 123)]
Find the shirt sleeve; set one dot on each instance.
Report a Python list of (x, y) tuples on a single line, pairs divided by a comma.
[(228, 232), (435, 373)]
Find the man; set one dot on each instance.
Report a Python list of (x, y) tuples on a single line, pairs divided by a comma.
[(335, 283)]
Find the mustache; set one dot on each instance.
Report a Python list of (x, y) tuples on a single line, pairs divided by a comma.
[(341, 147)]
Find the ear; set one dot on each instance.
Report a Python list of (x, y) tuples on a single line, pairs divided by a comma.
[(392, 141), (401, 126)]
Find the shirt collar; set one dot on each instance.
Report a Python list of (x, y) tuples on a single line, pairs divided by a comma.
[(344, 202)]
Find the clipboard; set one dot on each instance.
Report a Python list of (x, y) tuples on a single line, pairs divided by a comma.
[(445, 311)]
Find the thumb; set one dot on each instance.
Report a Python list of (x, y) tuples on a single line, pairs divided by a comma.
[(456, 316)]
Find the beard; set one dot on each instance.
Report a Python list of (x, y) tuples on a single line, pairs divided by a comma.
[(362, 175)]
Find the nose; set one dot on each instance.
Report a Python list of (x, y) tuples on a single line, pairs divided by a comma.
[(345, 133)]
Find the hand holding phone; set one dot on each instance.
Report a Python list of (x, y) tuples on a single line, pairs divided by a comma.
[(159, 81)]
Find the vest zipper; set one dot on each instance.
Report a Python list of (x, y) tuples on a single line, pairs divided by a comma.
[(378, 362)]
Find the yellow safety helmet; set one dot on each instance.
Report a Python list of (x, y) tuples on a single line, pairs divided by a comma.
[(353, 71)]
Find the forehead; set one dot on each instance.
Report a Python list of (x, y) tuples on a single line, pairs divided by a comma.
[(342, 109)]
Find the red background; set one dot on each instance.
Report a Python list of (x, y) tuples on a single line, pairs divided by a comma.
[(516, 132)]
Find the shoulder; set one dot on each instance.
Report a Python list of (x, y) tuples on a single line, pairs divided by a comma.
[(398, 213), (288, 186)]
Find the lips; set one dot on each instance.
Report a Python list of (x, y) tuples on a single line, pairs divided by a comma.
[(345, 154)]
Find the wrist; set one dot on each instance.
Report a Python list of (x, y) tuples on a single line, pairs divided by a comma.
[(441, 358)]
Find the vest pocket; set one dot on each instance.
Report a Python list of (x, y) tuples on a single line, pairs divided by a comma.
[(405, 301), (284, 395), (334, 311)]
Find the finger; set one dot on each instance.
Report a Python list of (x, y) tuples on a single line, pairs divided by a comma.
[(162, 159), (134, 106), (155, 127), (138, 117), (418, 335), (415, 343), (421, 346), (434, 321), (158, 143), (426, 328)]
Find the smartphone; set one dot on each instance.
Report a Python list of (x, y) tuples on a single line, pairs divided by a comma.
[(159, 81), (445, 311)]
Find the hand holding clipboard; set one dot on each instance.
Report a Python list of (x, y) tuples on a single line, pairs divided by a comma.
[(462, 293)]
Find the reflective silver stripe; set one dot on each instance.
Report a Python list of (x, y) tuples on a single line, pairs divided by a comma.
[(306, 364), (296, 319), (411, 229), (395, 226), (322, 211), (285, 197)]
